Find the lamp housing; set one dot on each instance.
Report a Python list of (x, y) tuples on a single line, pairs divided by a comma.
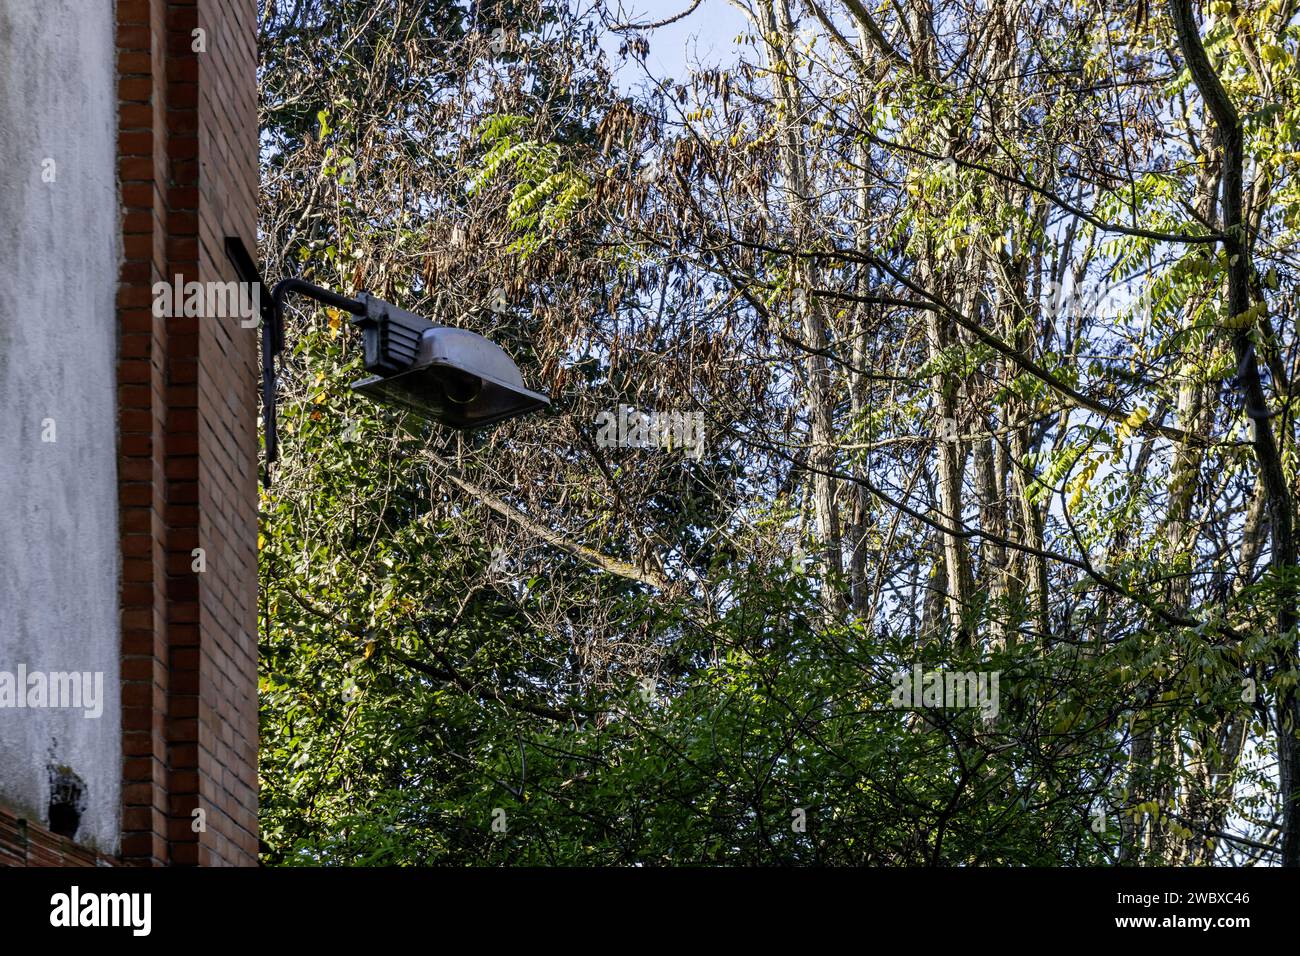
[(451, 376)]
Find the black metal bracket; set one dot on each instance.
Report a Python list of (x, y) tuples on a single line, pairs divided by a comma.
[(272, 311)]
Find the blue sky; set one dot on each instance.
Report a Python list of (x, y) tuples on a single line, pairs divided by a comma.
[(706, 37)]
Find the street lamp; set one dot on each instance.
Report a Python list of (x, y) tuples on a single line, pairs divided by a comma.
[(447, 375)]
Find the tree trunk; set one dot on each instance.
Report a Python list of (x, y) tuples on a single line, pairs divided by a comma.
[(1236, 246), (778, 31)]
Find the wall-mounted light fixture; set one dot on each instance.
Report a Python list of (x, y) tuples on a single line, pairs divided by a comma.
[(447, 375)]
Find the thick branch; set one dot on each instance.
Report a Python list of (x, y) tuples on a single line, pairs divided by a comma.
[(580, 551), (1272, 477)]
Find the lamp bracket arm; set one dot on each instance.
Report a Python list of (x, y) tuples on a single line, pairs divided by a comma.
[(273, 345)]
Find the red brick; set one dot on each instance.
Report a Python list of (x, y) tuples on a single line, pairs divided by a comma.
[(188, 165)]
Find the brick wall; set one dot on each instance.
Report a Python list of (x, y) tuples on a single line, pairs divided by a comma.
[(23, 843), (187, 403), (226, 466), (187, 448), (143, 421)]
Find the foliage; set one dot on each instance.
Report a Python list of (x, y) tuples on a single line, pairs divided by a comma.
[(950, 293)]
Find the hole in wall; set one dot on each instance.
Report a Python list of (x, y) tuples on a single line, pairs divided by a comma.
[(67, 801)]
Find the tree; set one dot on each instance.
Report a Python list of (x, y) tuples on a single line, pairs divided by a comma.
[(985, 319)]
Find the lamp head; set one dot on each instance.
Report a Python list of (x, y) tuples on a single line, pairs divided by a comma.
[(447, 375)]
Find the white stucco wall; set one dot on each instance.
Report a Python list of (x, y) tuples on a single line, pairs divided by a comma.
[(60, 249)]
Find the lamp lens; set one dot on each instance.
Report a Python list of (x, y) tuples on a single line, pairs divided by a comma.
[(461, 387)]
